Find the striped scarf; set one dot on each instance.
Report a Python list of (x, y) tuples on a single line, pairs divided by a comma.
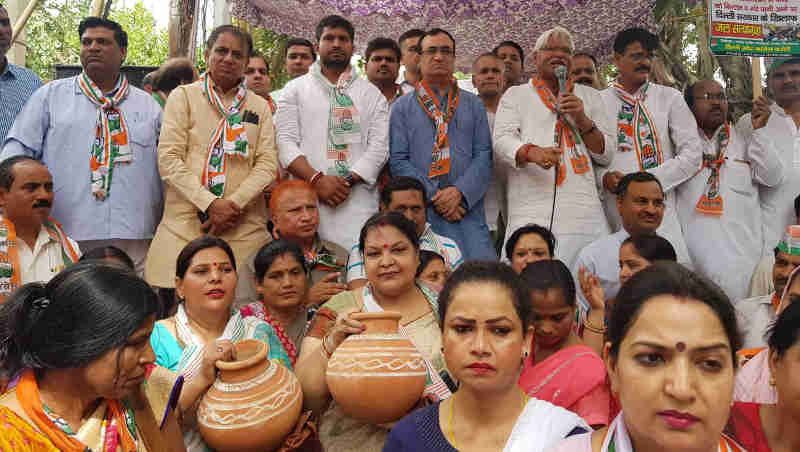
[(344, 121), (229, 138), (710, 202), (110, 145), (440, 158), (617, 439), (636, 130)]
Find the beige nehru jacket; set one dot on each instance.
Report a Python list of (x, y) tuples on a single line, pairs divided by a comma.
[(189, 123)]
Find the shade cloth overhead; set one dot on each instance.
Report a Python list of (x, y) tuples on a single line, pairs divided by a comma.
[(477, 25)]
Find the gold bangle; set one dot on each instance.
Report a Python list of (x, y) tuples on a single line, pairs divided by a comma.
[(593, 328), (324, 348)]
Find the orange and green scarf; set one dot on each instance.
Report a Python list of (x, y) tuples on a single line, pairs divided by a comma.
[(10, 271), (440, 159), (110, 145), (229, 138), (636, 130), (710, 202), (344, 120)]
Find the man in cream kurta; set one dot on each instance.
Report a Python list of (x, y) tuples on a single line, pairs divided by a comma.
[(189, 122), (523, 118), (302, 119), (674, 125), (724, 239)]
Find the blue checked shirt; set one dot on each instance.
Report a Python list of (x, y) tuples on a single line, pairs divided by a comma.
[(16, 86)]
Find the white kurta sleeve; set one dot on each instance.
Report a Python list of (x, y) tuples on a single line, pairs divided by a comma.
[(287, 123), (596, 111), (507, 126), (369, 165), (688, 147), (765, 163)]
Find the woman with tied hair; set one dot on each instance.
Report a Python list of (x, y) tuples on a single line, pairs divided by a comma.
[(561, 369), (203, 330), (79, 348), (529, 243), (671, 359), (390, 246), (484, 315), (761, 427)]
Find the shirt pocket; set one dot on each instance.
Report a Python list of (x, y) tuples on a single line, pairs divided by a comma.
[(740, 178), (143, 134)]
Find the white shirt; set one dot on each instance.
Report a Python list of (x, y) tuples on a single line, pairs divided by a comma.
[(726, 248), (761, 283), (777, 203), (754, 316), (302, 119), (680, 148), (523, 118), (492, 200), (45, 260), (601, 258)]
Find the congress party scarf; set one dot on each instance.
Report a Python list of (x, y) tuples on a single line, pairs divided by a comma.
[(229, 138), (440, 160), (110, 145), (344, 123), (617, 439), (636, 130), (710, 202), (565, 136), (10, 278)]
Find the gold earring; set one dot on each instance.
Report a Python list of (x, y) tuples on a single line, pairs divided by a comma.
[(772, 380)]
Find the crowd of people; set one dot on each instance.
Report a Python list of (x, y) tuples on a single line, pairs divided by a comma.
[(584, 266)]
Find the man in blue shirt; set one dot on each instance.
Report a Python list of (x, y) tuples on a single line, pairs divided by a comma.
[(16, 83), (89, 128), (439, 135)]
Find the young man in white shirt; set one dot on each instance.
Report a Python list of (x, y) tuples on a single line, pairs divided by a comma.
[(332, 131), (670, 147)]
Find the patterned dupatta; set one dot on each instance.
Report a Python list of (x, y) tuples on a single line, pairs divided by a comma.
[(259, 310), (110, 145), (440, 159), (435, 387), (636, 130), (565, 135), (344, 121), (710, 202), (229, 138), (10, 277), (112, 424), (617, 439)]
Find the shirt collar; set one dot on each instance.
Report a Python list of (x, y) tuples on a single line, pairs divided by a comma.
[(116, 87), (714, 136), (10, 70), (766, 299)]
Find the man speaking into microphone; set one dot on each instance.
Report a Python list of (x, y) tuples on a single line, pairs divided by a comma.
[(551, 133)]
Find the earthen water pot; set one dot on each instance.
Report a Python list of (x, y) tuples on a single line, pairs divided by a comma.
[(254, 404), (376, 376)]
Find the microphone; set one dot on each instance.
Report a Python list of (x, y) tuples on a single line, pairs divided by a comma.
[(561, 75)]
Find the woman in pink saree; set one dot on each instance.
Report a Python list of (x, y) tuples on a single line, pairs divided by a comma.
[(561, 369)]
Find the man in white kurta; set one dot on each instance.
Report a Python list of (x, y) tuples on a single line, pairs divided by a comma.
[(777, 203), (716, 206), (524, 133), (678, 153), (346, 185)]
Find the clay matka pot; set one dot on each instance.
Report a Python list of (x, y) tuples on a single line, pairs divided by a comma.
[(254, 404), (376, 376)]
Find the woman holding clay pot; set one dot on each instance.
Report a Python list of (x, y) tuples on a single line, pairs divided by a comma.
[(390, 247)]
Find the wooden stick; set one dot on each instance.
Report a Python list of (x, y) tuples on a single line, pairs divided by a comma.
[(755, 65), (97, 8), (23, 19)]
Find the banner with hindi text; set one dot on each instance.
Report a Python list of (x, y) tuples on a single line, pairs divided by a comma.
[(754, 27)]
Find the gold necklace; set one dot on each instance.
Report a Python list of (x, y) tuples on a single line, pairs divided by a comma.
[(452, 433)]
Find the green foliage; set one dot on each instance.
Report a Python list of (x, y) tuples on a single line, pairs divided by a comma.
[(52, 35)]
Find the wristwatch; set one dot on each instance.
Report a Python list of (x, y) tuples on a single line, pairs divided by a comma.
[(350, 179)]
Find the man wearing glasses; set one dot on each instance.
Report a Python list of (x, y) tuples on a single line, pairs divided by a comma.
[(718, 207), (440, 136), (409, 46), (655, 132)]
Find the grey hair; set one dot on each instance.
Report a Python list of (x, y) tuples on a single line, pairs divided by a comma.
[(558, 30)]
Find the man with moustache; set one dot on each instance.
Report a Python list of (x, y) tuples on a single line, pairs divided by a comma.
[(409, 46), (716, 206), (756, 314), (258, 80), (487, 78), (16, 83), (440, 136), (513, 58), (564, 132), (383, 63), (89, 128), (332, 132), (33, 246), (669, 146), (584, 70)]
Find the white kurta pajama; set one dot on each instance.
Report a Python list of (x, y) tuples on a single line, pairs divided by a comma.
[(726, 248), (681, 150), (302, 130), (777, 203), (523, 118)]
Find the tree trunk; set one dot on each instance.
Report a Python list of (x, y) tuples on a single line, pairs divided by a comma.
[(706, 65), (668, 68), (738, 82), (181, 27)]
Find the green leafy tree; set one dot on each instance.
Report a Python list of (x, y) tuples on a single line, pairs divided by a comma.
[(52, 35)]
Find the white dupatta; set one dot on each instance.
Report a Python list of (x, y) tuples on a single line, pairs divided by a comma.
[(541, 425)]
